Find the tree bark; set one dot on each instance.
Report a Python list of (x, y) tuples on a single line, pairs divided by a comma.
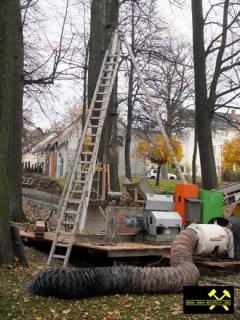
[(164, 170), (85, 76), (11, 89), (194, 158), (202, 112), (130, 103), (16, 124), (104, 20), (158, 175)]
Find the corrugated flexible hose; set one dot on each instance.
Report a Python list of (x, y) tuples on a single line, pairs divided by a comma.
[(76, 283)]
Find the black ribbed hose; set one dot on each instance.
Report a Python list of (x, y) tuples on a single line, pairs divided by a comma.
[(76, 283)]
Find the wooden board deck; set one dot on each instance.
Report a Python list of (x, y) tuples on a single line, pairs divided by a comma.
[(129, 248), (117, 250)]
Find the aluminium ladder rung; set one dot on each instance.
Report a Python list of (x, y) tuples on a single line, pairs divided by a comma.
[(58, 256), (79, 181), (62, 245), (74, 201), (71, 212), (93, 126), (70, 223), (84, 161), (65, 233)]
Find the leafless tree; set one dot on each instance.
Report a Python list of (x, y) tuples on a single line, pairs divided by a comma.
[(135, 17), (216, 66), (48, 60)]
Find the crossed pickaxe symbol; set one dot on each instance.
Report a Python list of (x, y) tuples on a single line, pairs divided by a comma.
[(226, 293)]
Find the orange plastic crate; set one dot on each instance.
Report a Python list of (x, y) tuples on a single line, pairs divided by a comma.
[(184, 191)]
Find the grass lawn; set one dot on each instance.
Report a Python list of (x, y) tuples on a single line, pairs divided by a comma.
[(165, 185), (16, 303), (61, 181)]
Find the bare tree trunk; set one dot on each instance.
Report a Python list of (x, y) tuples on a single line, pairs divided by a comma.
[(16, 124), (104, 20), (130, 104), (164, 170), (85, 78), (203, 114), (11, 89), (158, 175), (17, 246), (194, 158)]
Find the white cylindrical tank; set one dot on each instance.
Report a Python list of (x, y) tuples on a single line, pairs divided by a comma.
[(213, 237)]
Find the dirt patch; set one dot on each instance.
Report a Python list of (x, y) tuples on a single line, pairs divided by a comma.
[(36, 212)]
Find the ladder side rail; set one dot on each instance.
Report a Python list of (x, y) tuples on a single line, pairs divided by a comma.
[(82, 140), (64, 202), (64, 192), (92, 164), (82, 210), (152, 105), (95, 154)]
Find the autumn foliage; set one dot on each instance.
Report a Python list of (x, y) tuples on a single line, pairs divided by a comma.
[(231, 155), (156, 151)]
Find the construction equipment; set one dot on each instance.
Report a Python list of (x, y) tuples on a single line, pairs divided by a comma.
[(75, 198), (231, 197), (212, 238)]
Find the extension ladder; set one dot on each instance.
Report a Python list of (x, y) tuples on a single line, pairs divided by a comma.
[(75, 198)]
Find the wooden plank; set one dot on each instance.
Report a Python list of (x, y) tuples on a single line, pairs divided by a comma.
[(82, 242), (136, 253), (104, 182), (108, 179), (218, 264)]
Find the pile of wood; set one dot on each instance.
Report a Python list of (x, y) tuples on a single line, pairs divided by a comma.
[(42, 183)]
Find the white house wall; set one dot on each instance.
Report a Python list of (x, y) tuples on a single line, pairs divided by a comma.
[(219, 139), (67, 149)]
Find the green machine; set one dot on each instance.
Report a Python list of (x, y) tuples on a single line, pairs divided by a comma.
[(212, 205)]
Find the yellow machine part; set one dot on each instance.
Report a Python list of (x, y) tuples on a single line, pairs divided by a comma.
[(236, 211)]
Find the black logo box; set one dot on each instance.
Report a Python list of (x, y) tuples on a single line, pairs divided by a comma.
[(196, 300)]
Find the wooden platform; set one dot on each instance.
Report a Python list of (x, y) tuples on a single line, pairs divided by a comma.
[(123, 249), (127, 248)]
